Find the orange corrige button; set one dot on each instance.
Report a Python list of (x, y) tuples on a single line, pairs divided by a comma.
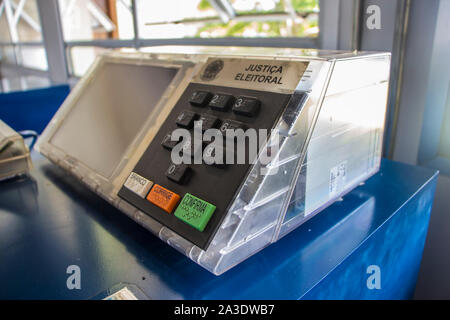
[(163, 198)]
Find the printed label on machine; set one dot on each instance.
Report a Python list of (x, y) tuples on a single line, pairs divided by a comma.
[(338, 177), (138, 185), (268, 75), (195, 212)]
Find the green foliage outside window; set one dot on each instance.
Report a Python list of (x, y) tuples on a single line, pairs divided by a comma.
[(304, 25)]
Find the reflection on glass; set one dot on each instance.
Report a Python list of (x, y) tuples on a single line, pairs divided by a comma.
[(23, 24), (27, 56), (33, 57), (5, 35), (238, 18), (8, 55), (23, 83), (99, 19), (81, 58)]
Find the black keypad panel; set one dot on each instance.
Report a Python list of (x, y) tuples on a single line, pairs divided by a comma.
[(200, 98), (214, 183), (179, 173), (246, 106), (221, 102)]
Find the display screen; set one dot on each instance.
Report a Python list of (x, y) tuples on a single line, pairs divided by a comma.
[(110, 112)]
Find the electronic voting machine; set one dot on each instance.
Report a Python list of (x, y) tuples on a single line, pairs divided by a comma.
[(222, 151)]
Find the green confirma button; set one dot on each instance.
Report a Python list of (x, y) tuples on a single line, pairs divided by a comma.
[(195, 212)]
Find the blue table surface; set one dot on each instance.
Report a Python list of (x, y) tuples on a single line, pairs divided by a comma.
[(49, 221)]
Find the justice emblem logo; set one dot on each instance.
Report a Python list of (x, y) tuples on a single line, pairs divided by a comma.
[(212, 70)]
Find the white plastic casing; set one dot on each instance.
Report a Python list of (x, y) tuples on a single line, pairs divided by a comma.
[(14, 154)]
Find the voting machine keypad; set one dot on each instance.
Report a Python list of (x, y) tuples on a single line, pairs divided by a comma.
[(192, 199)]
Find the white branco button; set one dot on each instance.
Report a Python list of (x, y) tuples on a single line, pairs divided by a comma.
[(138, 185)]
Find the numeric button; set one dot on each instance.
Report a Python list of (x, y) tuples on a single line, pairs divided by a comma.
[(200, 98), (178, 173), (246, 106), (167, 142), (191, 148), (206, 122), (221, 102), (231, 125), (216, 155), (186, 119)]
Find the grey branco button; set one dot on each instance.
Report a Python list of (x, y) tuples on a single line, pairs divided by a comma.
[(138, 185)]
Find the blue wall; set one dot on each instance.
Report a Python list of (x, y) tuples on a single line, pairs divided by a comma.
[(33, 109)]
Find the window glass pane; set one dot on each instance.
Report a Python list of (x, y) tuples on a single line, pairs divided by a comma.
[(32, 57), (4, 29), (81, 59), (269, 18), (267, 6), (241, 18), (26, 27), (29, 25), (96, 19), (174, 11), (7, 54), (166, 19), (21, 83)]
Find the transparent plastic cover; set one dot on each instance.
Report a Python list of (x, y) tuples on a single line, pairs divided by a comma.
[(330, 139), (111, 112)]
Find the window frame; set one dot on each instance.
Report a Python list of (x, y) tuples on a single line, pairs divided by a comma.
[(333, 21), (6, 7), (424, 123)]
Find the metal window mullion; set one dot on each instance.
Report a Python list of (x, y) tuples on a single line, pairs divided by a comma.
[(396, 82), (256, 42), (329, 24), (349, 25), (135, 23), (107, 43), (53, 37), (292, 42), (339, 24)]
